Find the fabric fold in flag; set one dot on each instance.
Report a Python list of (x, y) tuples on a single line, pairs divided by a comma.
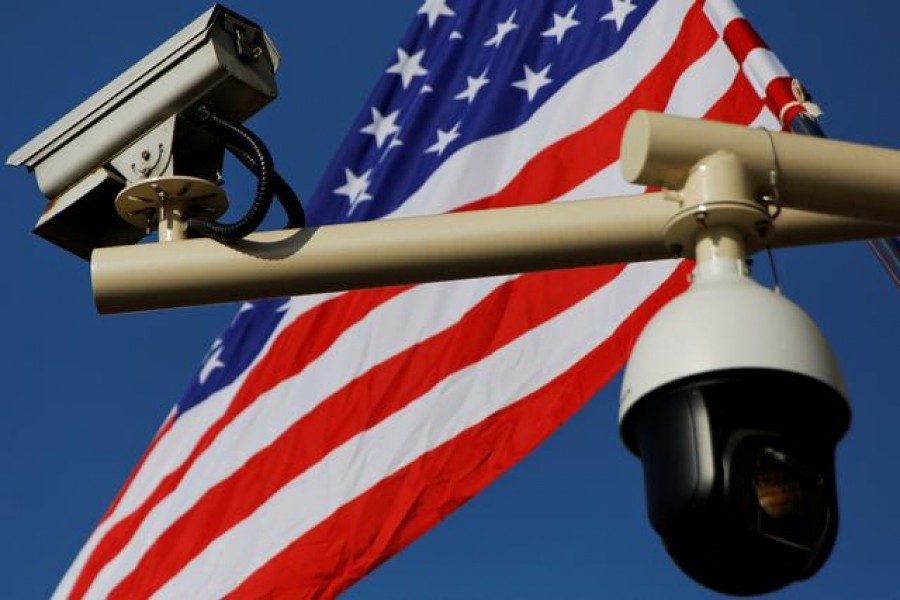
[(324, 434)]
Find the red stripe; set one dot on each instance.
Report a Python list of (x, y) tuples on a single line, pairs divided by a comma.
[(742, 39), (510, 311), (563, 165), (350, 543), (297, 345), (739, 104), (778, 95)]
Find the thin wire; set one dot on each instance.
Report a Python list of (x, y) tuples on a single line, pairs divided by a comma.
[(774, 179), (776, 282), (773, 201)]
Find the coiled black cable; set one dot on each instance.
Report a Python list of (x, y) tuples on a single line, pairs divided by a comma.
[(237, 136), (296, 217)]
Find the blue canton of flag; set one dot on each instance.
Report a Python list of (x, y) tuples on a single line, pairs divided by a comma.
[(232, 352), (508, 56)]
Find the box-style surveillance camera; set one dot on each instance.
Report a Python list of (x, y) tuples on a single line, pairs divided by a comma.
[(734, 403), (135, 128)]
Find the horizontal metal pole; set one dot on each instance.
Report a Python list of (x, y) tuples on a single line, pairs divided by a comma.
[(803, 228), (412, 250), (813, 174), (379, 253)]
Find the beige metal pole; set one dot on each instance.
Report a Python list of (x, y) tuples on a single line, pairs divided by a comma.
[(378, 253), (813, 174), (414, 250), (171, 226), (802, 228)]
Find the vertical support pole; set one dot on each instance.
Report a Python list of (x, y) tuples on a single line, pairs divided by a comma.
[(719, 217), (171, 224)]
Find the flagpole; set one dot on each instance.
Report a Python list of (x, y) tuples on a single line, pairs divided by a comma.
[(886, 250)]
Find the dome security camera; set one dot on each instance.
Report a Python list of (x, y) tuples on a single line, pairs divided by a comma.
[(734, 403)]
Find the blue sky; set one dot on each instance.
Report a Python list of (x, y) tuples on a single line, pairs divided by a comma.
[(85, 393)]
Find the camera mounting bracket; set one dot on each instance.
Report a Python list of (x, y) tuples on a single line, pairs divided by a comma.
[(717, 202), (166, 203)]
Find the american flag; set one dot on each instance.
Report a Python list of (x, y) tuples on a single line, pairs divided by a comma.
[(323, 434)]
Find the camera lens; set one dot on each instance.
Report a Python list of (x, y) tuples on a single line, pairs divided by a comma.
[(790, 499), (778, 492)]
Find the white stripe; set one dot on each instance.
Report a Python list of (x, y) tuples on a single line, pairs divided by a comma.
[(386, 331), (720, 13), (607, 182), (704, 82), (697, 90), (485, 167), (174, 447), (766, 119), (458, 403), (761, 67)]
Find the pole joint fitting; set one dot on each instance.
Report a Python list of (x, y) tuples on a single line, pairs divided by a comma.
[(717, 203)]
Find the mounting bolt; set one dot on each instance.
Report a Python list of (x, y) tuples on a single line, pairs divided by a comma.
[(702, 217)]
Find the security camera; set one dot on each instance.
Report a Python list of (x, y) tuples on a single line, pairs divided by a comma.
[(138, 128), (734, 403)]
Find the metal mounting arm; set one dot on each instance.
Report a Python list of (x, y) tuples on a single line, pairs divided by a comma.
[(825, 175), (813, 174)]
